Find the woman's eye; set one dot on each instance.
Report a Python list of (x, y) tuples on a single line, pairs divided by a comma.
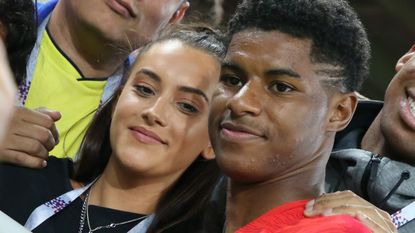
[(231, 80), (279, 87), (187, 108), (144, 90)]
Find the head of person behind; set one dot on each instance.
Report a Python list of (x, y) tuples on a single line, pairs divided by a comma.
[(148, 147), (99, 28), (393, 130), (18, 31), (287, 86)]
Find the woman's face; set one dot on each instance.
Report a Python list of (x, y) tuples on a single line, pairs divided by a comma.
[(160, 123)]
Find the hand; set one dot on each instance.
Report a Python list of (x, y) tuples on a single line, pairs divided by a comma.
[(346, 202), (31, 135), (7, 92)]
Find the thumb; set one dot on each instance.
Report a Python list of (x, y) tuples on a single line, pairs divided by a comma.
[(55, 115)]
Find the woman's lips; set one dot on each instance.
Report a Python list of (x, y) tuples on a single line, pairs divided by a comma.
[(146, 136)]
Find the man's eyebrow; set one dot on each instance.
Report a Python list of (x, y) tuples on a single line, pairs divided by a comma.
[(283, 72), (232, 66), (150, 74), (194, 91)]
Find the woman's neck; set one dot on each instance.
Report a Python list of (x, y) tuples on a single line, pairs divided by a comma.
[(119, 189), (246, 202), (93, 54)]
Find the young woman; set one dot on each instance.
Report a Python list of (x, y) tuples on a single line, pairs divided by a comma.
[(140, 165)]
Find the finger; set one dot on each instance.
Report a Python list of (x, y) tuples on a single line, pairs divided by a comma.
[(22, 159), (375, 226), (355, 211), (34, 117), (55, 115), (26, 145), (35, 132), (332, 200)]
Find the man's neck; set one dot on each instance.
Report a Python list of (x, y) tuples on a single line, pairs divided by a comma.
[(373, 140), (93, 55), (246, 202)]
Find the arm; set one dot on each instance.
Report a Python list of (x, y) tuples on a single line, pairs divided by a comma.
[(347, 202)]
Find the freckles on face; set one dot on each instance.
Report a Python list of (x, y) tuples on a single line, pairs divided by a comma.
[(168, 94), (275, 105)]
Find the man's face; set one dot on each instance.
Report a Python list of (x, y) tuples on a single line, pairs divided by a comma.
[(397, 119), (269, 114), (127, 23)]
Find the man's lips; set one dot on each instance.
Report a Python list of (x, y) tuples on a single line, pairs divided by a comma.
[(235, 131), (122, 8), (146, 136)]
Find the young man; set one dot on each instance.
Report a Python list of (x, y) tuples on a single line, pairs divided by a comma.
[(78, 60), (287, 86), (381, 169)]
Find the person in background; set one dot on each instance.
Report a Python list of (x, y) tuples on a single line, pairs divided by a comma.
[(79, 58), (18, 31), (140, 165)]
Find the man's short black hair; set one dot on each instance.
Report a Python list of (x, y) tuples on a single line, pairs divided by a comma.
[(19, 18), (338, 36)]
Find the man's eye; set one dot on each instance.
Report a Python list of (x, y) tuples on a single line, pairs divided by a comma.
[(187, 108), (144, 90), (231, 81), (279, 87)]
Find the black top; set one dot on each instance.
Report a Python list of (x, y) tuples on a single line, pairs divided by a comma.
[(24, 189)]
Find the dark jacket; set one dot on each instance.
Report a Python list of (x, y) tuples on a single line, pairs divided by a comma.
[(388, 184)]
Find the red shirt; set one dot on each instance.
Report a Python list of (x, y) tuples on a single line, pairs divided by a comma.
[(289, 218)]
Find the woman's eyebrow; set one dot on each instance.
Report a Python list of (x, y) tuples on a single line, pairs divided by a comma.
[(194, 91), (150, 74)]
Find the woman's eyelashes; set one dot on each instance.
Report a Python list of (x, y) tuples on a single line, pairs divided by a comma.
[(144, 90), (187, 108)]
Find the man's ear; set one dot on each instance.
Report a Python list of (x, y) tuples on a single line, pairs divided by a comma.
[(405, 58), (208, 153), (341, 111), (179, 14)]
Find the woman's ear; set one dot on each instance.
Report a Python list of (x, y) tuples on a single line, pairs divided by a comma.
[(341, 111), (208, 153), (405, 58)]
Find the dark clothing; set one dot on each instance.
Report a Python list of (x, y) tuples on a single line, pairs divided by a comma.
[(388, 184), (24, 189)]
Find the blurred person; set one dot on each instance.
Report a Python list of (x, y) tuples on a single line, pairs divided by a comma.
[(80, 56), (7, 92)]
